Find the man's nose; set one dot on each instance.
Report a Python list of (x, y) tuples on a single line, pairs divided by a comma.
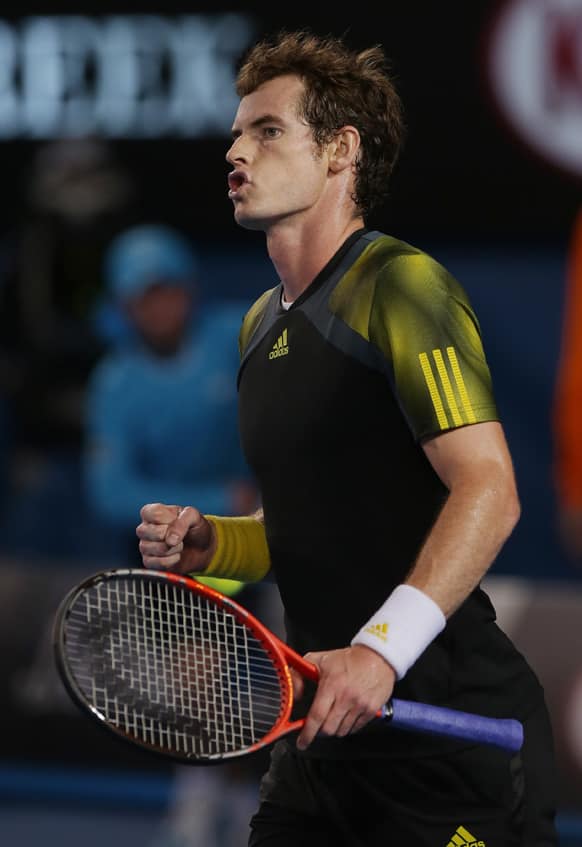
[(237, 152)]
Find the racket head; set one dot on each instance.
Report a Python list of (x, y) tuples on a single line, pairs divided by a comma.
[(171, 665)]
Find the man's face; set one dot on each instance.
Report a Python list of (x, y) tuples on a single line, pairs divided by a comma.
[(278, 171)]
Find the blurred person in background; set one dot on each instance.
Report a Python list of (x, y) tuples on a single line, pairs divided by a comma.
[(168, 345), (567, 413), (163, 339), (181, 351)]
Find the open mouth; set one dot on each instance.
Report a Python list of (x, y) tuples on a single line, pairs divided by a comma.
[(236, 179)]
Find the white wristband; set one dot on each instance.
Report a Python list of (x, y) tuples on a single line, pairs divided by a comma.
[(401, 629)]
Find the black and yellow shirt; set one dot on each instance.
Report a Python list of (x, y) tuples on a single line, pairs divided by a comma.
[(381, 351)]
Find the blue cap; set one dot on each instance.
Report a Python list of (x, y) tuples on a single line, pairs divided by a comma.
[(145, 255)]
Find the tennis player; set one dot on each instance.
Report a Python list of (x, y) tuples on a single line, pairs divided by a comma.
[(367, 414)]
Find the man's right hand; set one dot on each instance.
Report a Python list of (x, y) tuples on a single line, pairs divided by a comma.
[(175, 538)]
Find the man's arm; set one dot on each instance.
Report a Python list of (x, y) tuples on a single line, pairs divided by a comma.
[(478, 516)]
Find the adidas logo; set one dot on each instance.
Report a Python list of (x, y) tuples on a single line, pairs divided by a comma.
[(280, 348), (380, 630), (463, 838)]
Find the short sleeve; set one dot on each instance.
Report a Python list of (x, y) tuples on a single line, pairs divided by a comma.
[(423, 324)]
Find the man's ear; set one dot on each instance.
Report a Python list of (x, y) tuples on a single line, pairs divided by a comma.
[(343, 149)]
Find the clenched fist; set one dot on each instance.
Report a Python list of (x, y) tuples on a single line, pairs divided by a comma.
[(175, 538)]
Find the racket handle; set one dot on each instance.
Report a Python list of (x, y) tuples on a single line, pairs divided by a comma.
[(505, 733)]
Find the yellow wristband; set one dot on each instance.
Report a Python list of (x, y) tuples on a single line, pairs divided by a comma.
[(241, 549)]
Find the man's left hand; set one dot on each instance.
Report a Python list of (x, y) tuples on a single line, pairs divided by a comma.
[(354, 684)]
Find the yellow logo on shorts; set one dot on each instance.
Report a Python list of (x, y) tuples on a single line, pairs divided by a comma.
[(463, 838)]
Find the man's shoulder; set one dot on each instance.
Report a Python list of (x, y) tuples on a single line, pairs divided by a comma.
[(387, 270), (258, 307), (254, 316), (402, 268)]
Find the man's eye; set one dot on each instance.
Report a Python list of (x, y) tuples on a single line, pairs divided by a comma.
[(271, 131)]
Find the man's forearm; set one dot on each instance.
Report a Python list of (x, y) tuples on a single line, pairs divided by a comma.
[(479, 514)]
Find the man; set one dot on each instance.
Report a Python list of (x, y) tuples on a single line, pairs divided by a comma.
[(367, 415)]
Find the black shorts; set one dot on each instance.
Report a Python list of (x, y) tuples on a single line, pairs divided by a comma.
[(477, 796)]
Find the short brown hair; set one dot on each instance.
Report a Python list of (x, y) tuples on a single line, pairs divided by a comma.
[(341, 87)]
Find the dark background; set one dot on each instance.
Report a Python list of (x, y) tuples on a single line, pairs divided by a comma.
[(461, 176), (465, 189)]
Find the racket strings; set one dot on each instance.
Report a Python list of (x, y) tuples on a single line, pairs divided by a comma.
[(171, 668)]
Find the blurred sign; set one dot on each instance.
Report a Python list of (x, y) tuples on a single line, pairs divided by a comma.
[(121, 76), (534, 69)]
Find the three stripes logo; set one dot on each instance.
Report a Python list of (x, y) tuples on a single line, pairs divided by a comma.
[(280, 348), (463, 838), (380, 630), (449, 404)]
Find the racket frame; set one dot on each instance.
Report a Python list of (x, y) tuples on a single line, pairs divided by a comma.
[(281, 656)]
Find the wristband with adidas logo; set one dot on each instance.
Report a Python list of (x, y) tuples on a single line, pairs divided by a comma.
[(402, 628)]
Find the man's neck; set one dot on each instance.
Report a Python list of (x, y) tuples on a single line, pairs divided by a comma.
[(299, 253)]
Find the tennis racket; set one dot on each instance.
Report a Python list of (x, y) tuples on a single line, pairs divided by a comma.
[(179, 669)]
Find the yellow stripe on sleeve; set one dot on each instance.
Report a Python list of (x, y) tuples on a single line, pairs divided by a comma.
[(433, 391), (447, 388), (468, 408)]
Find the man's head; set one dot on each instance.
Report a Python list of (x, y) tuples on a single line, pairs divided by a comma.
[(339, 88), (150, 271)]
